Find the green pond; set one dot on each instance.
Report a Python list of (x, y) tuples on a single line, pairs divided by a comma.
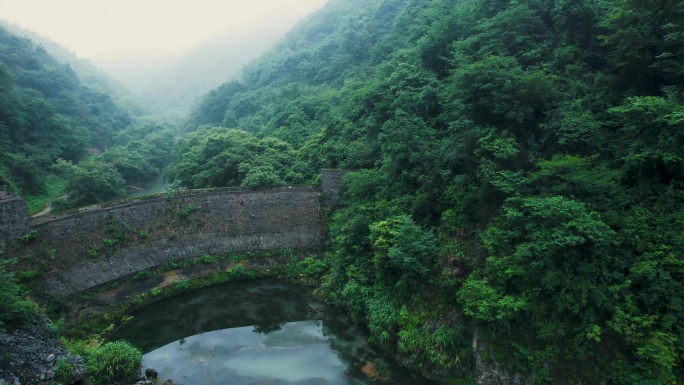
[(261, 332)]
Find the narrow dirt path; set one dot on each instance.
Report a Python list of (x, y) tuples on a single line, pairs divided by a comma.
[(48, 208)]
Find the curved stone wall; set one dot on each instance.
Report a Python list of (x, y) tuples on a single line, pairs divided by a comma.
[(91, 248)]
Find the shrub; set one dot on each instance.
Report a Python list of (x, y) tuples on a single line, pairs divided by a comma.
[(206, 258), (63, 370), (239, 272), (114, 361), (33, 234), (309, 266), (15, 308), (184, 212)]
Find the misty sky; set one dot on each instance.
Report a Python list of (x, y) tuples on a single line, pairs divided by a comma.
[(112, 30)]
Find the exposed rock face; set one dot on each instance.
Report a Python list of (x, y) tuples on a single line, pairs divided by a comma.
[(29, 356), (490, 372)]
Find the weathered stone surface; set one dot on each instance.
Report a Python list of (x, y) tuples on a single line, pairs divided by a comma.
[(14, 220), (97, 245), (176, 229), (332, 186)]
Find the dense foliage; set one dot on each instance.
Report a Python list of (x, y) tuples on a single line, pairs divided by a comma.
[(46, 114), (520, 175), (216, 157), (16, 309), (138, 154), (59, 135)]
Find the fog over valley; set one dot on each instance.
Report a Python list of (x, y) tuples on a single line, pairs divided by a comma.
[(168, 53)]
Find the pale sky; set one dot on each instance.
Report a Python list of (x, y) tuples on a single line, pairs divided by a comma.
[(105, 30)]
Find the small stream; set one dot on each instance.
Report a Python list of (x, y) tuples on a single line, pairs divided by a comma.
[(261, 332)]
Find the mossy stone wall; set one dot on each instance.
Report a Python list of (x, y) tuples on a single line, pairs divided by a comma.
[(14, 220), (94, 247)]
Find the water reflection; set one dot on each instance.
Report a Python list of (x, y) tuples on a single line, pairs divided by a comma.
[(254, 333), (298, 353)]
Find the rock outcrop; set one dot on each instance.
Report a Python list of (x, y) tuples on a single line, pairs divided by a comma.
[(34, 356)]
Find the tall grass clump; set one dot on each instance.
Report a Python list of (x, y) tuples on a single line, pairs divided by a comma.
[(114, 361)]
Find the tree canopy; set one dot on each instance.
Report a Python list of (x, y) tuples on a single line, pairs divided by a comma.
[(519, 175)]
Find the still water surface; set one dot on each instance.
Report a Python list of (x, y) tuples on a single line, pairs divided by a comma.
[(263, 332)]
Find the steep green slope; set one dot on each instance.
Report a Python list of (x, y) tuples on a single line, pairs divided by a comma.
[(45, 114), (290, 92), (520, 177), (89, 75), (58, 135)]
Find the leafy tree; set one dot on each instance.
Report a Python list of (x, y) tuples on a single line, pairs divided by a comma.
[(403, 253), (217, 157), (90, 182), (520, 171), (646, 41), (143, 154), (653, 140), (210, 157)]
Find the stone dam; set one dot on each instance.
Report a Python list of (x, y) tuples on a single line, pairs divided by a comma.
[(81, 250)]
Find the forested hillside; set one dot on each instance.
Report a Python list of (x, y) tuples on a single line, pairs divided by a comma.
[(89, 75), (519, 177), (58, 135)]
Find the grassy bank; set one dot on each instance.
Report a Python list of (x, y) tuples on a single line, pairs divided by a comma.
[(54, 188)]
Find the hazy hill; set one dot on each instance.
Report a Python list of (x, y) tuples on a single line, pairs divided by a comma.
[(60, 135), (175, 85), (89, 74), (47, 113)]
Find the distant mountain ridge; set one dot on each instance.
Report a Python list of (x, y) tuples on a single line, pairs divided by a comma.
[(176, 85)]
